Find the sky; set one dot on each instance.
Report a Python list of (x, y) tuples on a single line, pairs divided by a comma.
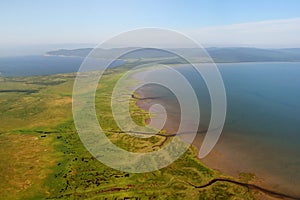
[(212, 22)]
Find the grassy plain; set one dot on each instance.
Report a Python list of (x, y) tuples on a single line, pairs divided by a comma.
[(41, 155)]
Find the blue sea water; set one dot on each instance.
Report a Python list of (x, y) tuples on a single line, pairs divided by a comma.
[(264, 101), (261, 134), (262, 127), (41, 65), (263, 117), (38, 65)]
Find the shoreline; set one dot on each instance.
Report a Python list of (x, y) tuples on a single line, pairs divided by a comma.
[(224, 158), (217, 160), (227, 156)]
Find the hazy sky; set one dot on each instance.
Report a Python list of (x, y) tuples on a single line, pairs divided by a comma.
[(215, 22)]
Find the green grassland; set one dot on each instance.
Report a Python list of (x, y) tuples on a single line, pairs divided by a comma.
[(42, 157)]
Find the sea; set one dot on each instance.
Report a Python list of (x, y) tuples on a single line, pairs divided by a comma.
[(39, 65), (261, 134)]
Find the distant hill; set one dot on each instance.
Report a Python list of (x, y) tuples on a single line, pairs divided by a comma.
[(228, 54)]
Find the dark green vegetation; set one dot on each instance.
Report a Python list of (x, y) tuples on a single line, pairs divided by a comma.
[(41, 155)]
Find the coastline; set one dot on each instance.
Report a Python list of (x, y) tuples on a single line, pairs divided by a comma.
[(223, 158), (218, 161)]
